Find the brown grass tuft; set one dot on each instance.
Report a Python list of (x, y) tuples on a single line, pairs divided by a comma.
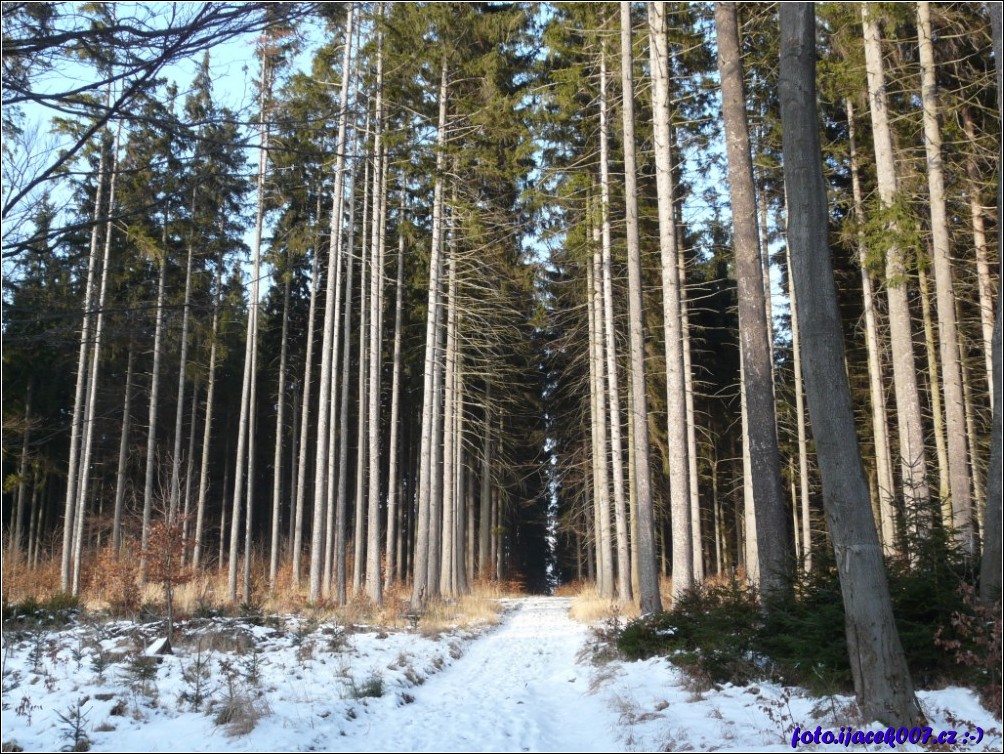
[(21, 581), (589, 607)]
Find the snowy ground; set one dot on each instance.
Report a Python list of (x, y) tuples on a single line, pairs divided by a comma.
[(530, 684)]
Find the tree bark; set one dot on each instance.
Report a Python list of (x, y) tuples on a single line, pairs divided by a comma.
[(880, 417), (154, 403), (990, 566), (601, 454), (179, 412), (308, 365), (881, 678), (768, 497), (800, 421), (485, 510), (245, 437), (393, 453), (648, 573), (447, 573), (366, 272), (610, 351), (958, 454), (420, 580), (911, 434), (280, 416), (676, 399), (120, 477), (336, 521), (984, 276), (322, 451), (207, 429), (77, 419), (17, 525), (189, 466), (373, 581), (937, 410), (92, 393)]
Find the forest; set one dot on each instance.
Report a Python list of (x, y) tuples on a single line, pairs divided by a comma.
[(642, 296)]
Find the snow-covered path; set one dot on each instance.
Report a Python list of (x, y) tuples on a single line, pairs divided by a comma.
[(298, 684), (518, 688)]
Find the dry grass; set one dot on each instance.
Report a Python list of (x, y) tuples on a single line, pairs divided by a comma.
[(239, 713), (589, 607), (479, 608), (206, 594), (21, 582)]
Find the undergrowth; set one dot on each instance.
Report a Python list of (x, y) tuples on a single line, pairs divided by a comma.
[(722, 633)]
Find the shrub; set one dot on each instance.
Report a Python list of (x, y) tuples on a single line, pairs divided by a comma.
[(718, 633), (371, 687), (974, 641), (710, 632), (58, 610), (74, 723), (114, 579)]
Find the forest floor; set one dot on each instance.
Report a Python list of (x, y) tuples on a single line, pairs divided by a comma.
[(537, 681)]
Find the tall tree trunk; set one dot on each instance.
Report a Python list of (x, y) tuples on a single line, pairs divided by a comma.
[(958, 455), (990, 566), (881, 677), (937, 411), (447, 583), (461, 482), (34, 525), (223, 510), (721, 546), (179, 412), (362, 402), (768, 497), (246, 424), (800, 421), (92, 393), (189, 466), (485, 510), (613, 388), (79, 407), (911, 434), (336, 526), (438, 437), (984, 277), (748, 541), (420, 580), (971, 433), (648, 573), (373, 582), (632, 494), (17, 525), (294, 462), (120, 476), (321, 456), (880, 421), (601, 454), (308, 365), (469, 529), (207, 427), (280, 416), (676, 399), (154, 403), (252, 440), (393, 453), (688, 374)]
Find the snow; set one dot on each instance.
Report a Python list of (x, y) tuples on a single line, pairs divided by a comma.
[(533, 683)]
